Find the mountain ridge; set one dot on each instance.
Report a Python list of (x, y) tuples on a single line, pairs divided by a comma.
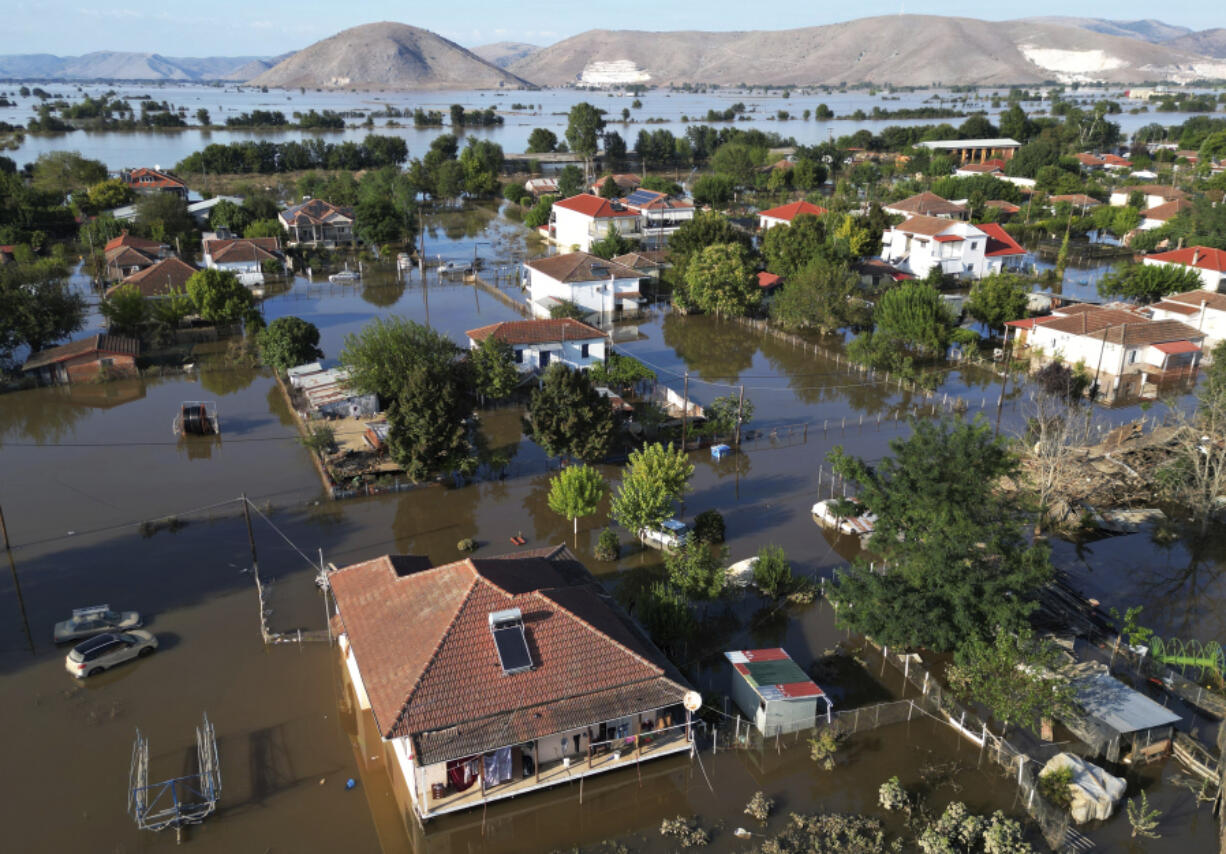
[(121, 65)]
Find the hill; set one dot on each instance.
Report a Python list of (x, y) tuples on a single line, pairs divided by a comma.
[(119, 65), (386, 56), (903, 50), (503, 54), (1207, 42), (1148, 30)]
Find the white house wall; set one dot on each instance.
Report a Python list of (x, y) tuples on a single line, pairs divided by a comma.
[(599, 295), (1211, 279)]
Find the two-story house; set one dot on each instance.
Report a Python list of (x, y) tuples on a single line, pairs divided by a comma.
[(927, 203), (1203, 310), (958, 248), (245, 257), (126, 255), (647, 216), (155, 180), (316, 222), (537, 344), (604, 288), (1209, 263)]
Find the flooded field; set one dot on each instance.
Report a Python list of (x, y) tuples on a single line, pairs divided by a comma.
[(85, 466)]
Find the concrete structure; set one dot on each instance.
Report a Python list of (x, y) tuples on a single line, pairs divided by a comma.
[(85, 360), (490, 678), (1124, 350), (960, 249), (245, 257), (1209, 264), (540, 343), (317, 223), (604, 288), (165, 278), (1153, 195), (1204, 310), (784, 214), (971, 150), (774, 693)]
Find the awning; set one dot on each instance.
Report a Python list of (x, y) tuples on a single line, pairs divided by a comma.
[(1172, 348)]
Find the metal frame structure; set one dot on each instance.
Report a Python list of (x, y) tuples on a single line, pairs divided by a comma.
[(179, 801)]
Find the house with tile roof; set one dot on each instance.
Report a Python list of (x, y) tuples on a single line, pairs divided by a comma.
[(315, 222), (995, 166), (975, 150), (647, 216), (958, 248), (126, 255), (603, 288), (929, 204), (1077, 200), (1160, 215), (1125, 350), (85, 360), (490, 678), (165, 278), (155, 180), (544, 341), (1205, 310), (245, 257), (784, 214), (1209, 263), (1152, 194)]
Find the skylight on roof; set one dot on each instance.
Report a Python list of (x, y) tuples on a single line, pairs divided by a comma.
[(507, 627)]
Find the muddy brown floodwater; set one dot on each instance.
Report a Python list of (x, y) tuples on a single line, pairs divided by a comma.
[(83, 468)]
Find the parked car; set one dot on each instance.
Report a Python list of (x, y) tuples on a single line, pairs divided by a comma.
[(86, 622), (670, 535), (103, 652), (451, 268)]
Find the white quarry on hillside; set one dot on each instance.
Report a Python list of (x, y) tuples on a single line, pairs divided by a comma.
[(1071, 65), (613, 73)]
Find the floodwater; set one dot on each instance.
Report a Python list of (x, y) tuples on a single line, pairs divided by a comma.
[(85, 466), (545, 108)]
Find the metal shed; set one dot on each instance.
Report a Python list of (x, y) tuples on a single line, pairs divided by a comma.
[(1114, 716), (774, 692)]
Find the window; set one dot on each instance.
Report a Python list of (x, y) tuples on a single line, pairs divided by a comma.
[(583, 350), (544, 358), (973, 245), (1132, 356), (519, 356)]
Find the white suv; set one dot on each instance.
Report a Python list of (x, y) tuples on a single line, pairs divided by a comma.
[(670, 535), (103, 652)]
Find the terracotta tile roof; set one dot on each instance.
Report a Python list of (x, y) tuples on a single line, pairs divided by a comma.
[(926, 203), (999, 241), (643, 258), (581, 267), (423, 646), (130, 256), (1167, 210), (158, 179), (980, 168), (544, 331), (1115, 160), (624, 182), (315, 212), (242, 249), (93, 344), (1202, 257), (1089, 159), (594, 207), (1080, 200), (1212, 299), (768, 280), (876, 267), (1175, 347), (1176, 308), (930, 226), (168, 276), (789, 212), (126, 239), (1125, 328), (1002, 205), (1162, 190)]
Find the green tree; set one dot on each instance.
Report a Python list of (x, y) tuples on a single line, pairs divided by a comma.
[(287, 342), (264, 228), (220, 297), (37, 305), (997, 299), (957, 564), (914, 316), (1014, 675), (718, 280), (567, 417), (539, 214), (738, 161), (109, 194), (788, 249), (576, 491), (619, 372), (65, 172), (818, 296), (1143, 820), (164, 217), (665, 613), (542, 141), (1148, 283), (203, 118), (612, 244), (570, 181), (494, 373), (707, 228), (713, 190), (386, 351), (609, 188), (772, 574), (694, 569), (428, 433), (126, 311), (655, 477), (583, 128), (722, 414), (226, 214)]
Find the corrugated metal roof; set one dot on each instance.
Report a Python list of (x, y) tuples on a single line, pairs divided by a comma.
[(772, 674), (1109, 700)]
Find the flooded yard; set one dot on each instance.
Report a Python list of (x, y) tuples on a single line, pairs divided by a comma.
[(85, 466)]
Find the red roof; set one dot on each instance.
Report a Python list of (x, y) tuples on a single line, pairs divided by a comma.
[(790, 212), (771, 654), (128, 240), (948, 238), (145, 177), (95, 344), (999, 241), (1115, 160), (593, 206), (1173, 347), (768, 280), (422, 641), (1194, 256), (543, 331), (1167, 210)]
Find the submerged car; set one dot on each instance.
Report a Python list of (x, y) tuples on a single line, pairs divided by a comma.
[(103, 652), (86, 622), (670, 535)]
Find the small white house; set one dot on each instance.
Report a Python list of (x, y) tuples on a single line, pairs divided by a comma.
[(582, 220), (243, 256), (1204, 310), (1209, 264), (604, 288), (958, 248), (772, 691), (1160, 215), (1154, 194), (539, 343), (784, 214)]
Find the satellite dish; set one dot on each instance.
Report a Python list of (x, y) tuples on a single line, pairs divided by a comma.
[(692, 701)]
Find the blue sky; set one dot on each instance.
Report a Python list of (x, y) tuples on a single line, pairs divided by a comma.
[(230, 27)]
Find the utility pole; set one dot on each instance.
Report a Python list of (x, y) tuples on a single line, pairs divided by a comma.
[(685, 410), (4, 529), (1004, 381), (255, 567), (740, 408)]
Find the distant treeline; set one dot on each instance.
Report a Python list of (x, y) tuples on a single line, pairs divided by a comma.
[(328, 119), (879, 114), (264, 157)]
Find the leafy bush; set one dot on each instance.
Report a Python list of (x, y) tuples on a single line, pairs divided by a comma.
[(1054, 786), (892, 796), (466, 545), (686, 831), (759, 807), (709, 526), (608, 547), (823, 746), (772, 574)]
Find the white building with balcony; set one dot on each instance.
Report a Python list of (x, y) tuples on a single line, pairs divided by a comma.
[(960, 249), (645, 215), (603, 288), (537, 344)]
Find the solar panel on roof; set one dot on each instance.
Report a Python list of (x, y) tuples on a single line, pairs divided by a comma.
[(507, 627), (642, 197)]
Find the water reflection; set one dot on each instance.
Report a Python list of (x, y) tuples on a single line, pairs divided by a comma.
[(225, 381), (716, 351)]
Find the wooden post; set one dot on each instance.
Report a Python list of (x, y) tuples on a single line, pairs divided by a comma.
[(537, 763), (5, 531), (685, 409), (740, 408)]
